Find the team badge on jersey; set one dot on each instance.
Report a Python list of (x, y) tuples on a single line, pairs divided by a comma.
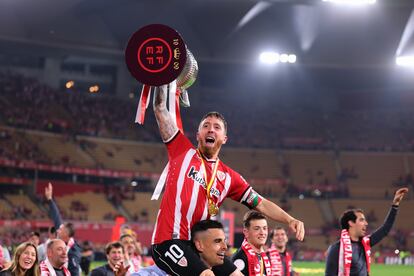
[(221, 175), (239, 263), (183, 262)]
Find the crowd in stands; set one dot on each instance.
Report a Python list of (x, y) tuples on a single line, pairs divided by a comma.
[(18, 148), (11, 236), (26, 103), (404, 181), (141, 217), (116, 194)]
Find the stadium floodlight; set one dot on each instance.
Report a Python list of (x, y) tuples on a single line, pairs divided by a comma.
[(284, 58), (406, 61), (273, 58), (292, 58), (269, 57), (69, 84), (94, 89), (352, 2)]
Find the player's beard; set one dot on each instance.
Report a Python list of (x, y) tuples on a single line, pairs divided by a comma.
[(209, 152)]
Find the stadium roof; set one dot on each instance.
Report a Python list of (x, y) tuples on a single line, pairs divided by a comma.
[(321, 34)]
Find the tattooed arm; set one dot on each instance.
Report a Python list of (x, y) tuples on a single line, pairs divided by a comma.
[(166, 123)]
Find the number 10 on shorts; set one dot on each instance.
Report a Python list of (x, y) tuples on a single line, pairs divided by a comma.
[(174, 253)]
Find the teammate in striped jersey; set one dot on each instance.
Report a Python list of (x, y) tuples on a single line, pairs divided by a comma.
[(197, 183)]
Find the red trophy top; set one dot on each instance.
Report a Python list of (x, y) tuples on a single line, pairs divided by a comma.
[(155, 55)]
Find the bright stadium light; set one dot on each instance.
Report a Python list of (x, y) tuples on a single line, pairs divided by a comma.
[(292, 58), (273, 58), (69, 84), (284, 58), (94, 89), (269, 57), (352, 2), (405, 61)]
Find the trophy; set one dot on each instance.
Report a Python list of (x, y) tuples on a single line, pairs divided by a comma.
[(157, 55)]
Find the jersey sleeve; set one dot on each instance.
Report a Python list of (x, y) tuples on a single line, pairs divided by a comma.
[(241, 191), (177, 145)]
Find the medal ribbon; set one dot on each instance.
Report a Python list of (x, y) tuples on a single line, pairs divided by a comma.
[(261, 266), (213, 176)]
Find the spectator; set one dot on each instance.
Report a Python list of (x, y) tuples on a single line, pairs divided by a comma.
[(115, 261), (25, 262), (34, 238), (65, 232), (57, 258)]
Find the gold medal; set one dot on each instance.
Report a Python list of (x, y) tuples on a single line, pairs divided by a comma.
[(212, 209)]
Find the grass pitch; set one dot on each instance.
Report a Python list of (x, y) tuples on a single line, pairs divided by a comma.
[(318, 269)]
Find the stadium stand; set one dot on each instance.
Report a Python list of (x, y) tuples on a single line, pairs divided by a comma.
[(25, 205), (86, 206), (141, 208), (312, 168), (60, 149), (125, 155)]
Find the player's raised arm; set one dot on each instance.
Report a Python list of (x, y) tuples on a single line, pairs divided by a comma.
[(274, 212), (165, 121)]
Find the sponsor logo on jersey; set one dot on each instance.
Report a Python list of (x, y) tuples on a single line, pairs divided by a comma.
[(194, 175)]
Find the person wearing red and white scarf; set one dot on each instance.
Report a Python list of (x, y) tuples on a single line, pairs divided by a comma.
[(280, 259), (65, 232), (251, 259), (57, 257), (351, 255)]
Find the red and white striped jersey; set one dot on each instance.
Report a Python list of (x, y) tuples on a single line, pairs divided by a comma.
[(185, 200)]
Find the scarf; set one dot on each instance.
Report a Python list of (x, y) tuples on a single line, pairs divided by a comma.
[(255, 267), (345, 253), (69, 245), (276, 262), (135, 263), (46, 269)]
